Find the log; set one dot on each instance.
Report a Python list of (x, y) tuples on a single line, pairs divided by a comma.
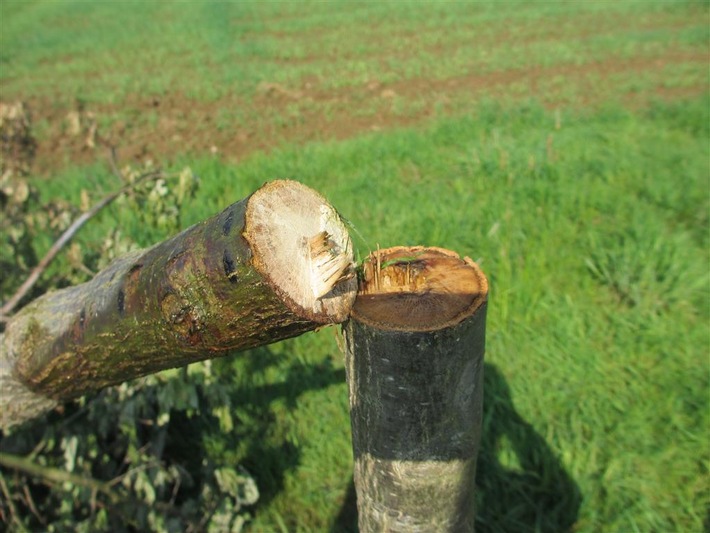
[(414, 363), (272, 266)]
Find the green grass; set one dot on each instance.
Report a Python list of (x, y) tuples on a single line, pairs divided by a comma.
[(47, 45), (595, 237), (201, 78), (591, 221)]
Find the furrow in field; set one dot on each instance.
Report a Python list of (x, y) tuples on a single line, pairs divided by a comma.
[(237, 125)]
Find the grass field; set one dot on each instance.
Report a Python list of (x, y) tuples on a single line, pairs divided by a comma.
[(563, 146)]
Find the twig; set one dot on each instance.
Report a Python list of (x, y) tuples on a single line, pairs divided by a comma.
[(31, 504), (10, 305), (11, 505), (118, 479), (55, 475), (113, 162)]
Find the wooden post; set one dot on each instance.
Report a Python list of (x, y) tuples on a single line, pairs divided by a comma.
[(275, 265), (414, 360)]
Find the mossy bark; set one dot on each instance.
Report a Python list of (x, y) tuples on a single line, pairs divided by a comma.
[(416, 390), (195, 296)]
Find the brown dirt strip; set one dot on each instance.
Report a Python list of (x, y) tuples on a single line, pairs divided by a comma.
[(402, 44), (180, 125)]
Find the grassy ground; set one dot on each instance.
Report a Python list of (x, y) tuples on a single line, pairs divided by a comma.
[(237, 77), (563, 146)]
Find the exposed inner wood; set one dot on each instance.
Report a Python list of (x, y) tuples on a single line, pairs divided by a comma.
[(418, 289), (329, 265), (302, 246)]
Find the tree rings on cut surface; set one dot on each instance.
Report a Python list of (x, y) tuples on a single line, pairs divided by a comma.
[(418, 289)]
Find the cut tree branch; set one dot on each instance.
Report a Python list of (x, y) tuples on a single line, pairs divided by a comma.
[(414, 364), (273, 266)]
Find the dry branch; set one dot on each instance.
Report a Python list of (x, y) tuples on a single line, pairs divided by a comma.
[(273, 266), (63, 239), (414, 361)]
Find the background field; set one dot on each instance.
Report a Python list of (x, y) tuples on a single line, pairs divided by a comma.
[(564, 146)]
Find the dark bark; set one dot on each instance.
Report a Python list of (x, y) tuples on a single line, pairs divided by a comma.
[(414, 360)]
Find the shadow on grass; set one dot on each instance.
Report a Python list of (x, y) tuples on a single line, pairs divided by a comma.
[(532, 493), (536, 494), (270, 454)]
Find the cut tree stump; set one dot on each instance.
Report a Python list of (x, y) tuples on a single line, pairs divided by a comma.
[(414, 360), (272, 266)]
